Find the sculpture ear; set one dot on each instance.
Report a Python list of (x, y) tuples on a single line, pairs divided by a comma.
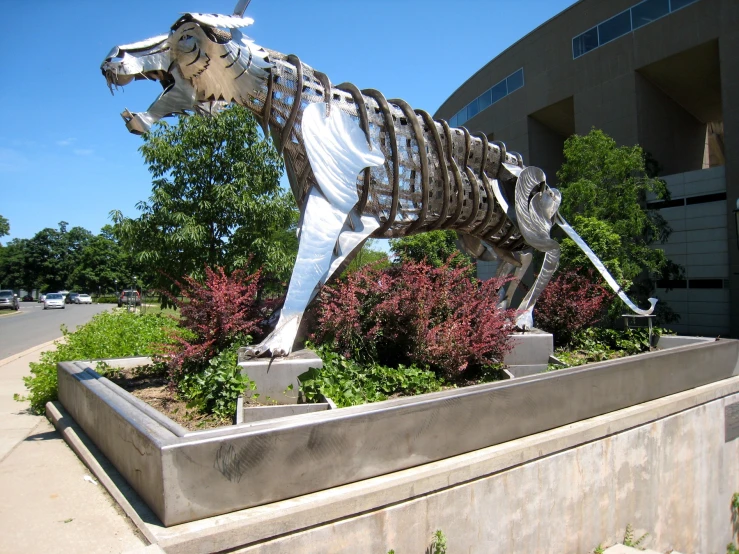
[(224, 21)]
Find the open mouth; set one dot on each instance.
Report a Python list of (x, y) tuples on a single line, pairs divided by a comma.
[(115, 79)]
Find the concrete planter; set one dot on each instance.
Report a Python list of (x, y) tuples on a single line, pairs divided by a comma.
[(185, 476)]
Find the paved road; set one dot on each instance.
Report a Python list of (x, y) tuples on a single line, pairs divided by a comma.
[(33, 325)]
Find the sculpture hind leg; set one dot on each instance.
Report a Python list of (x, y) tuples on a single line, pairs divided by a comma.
[(536, 206)]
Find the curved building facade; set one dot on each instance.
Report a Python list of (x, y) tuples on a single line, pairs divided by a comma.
[(663, 74)]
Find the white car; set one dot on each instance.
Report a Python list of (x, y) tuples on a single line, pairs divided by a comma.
[(83, 299), (54, 300)]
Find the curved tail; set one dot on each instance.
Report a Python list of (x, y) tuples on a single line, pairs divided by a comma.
[(602, 269)]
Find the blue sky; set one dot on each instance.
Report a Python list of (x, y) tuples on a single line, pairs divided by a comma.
[(65, 154)]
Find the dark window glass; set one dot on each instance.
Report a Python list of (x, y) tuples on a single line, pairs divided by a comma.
[(677, 4), (661, 204), (515, 81), (585, 42), (499, 91), (485, 99), (705, 198), (453, 121), (706, 284), (648, 11), (461, 116), (672, 284), (472, 109), (615, 27)]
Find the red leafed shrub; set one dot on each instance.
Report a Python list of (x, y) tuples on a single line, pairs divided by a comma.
[(415, 313), (571, 302), (213, 313)]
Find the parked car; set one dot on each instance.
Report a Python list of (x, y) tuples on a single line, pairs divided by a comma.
[(54, 300), (8, 299), (27, 298), (41, 297), (71, 298), (83, 299), (130, 296)]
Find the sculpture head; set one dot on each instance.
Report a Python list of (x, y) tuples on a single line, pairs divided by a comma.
[(204, 60)]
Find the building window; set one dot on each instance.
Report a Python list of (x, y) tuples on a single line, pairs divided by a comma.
[(649, 11), (585, 42), (485, 99), (677, 4), (499, 91), (513, 82), (622, 24), (615, 27)]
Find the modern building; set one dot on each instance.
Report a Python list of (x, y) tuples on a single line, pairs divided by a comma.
[(663, 74)]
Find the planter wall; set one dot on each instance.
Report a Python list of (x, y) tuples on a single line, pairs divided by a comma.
[(184, 476)]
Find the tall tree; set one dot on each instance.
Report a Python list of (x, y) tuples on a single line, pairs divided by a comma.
[(103, 265), (434, 247), (604, 195), (14, 271), (215, 200), (4, 227), (52, 255)]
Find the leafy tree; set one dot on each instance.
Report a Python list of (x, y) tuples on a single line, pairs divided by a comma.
[(52, 255), (4, 227), (366, 255), (103, 265), (604, 194), (435, 248), (14, 272), (215, 201)]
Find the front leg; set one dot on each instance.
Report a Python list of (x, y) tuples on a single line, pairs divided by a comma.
[(322, 224), (337, 151)]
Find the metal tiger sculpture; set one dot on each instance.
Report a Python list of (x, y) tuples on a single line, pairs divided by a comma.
[(359, 165)]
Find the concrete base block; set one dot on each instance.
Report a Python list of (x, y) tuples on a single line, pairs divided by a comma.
[(526, 370), (530, 353), (276, 379), (250, 414), (673, 341)]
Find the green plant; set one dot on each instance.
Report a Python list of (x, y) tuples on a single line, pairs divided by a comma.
[(629, 538), (731, 547), (438, 545), (107, 335), (216, 388), (348, 383), (599, 549)]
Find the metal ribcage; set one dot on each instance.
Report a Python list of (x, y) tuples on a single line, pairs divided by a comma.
[(454, 169)]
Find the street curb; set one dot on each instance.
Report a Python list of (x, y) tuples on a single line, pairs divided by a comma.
[(31, 350), (71, 433), (13, 313)]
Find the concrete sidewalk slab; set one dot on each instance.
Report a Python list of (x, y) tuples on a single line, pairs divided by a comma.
[(47, 504)]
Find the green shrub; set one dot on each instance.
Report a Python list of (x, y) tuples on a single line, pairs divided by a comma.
[(216, 388), (348, 383), (107, 335), (596, 344)]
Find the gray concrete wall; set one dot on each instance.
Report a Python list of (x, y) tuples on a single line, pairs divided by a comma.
[(698, 243), (670, 476)]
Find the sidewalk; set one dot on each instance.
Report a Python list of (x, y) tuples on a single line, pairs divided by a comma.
[(48, 499)]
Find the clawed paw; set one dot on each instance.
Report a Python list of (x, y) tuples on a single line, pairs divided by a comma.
[(277, 344)]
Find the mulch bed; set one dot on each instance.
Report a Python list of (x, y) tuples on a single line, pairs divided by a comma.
[(153, 388)]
